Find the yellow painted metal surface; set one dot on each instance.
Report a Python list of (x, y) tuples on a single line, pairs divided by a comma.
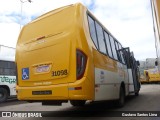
[(46, 56)]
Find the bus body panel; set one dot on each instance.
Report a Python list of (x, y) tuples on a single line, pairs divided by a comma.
[(109, 74), (54, 53), (44, 51), (131, 84), (106, 87), (44, 67), (9, 81), (7, 73), (59, 92)]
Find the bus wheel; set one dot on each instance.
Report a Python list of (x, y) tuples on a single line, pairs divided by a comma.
[(77, 102), (3, 95), (121, 100), (137, 93)]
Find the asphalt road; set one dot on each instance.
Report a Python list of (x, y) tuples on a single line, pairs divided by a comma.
[(148, 100)]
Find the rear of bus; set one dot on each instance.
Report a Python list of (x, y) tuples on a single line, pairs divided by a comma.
[(53, 59), (153, 75)]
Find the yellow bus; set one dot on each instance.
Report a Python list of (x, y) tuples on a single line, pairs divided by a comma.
[(68, 55), (149, 72), (151, 76)]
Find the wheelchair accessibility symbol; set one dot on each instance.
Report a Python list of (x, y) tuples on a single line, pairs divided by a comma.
[(25, 73)]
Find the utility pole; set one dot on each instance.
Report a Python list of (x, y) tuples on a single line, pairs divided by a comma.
[(21, 10)]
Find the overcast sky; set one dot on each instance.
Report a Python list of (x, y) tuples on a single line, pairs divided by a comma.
[(130, 21)]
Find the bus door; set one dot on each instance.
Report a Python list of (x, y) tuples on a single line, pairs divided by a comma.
[(135, 72), (132, 70)]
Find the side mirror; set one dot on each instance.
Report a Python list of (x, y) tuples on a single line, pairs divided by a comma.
[(138, 63), (156, 63)]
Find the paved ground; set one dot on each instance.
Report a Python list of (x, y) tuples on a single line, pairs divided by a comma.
[(148, 100)]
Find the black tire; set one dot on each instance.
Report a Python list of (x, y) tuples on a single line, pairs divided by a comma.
[(121, 100), (137, 93), (77, 102), (3, 95)]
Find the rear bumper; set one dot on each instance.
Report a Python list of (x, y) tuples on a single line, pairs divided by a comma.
[(58, 92)]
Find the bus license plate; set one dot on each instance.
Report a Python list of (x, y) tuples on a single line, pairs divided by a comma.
[(46, 92), (42, 69)]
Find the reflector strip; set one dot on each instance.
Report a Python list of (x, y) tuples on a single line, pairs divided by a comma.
[(40, 37), (75, 88)]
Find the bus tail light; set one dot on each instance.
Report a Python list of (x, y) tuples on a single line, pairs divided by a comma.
[(81, 60)]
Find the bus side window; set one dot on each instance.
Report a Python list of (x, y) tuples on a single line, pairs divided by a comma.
[(102, 46), (121, 53), (12, 69), (2, 67), (113, 47), (108, 44), (118, 52), (92, 31), (7, 68)]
